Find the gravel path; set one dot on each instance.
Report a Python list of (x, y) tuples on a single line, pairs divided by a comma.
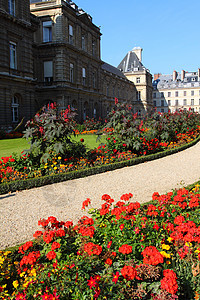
[(20, 211)]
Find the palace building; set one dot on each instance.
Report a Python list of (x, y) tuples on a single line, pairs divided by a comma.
[(50, 52)]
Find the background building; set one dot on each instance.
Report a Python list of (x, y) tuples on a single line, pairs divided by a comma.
[(177, 91), (134, 70)]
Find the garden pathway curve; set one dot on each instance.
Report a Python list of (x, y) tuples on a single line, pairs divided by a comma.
[(20, 211)]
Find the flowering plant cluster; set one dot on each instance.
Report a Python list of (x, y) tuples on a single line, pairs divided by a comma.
[(149, 134), (49, 133), (10, 135), (123, 251)]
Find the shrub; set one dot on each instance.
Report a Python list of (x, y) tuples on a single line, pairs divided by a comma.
[(49, 133)]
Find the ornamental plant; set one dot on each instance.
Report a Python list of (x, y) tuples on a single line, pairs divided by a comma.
[(127, 129), (124, 250), (150, 133), (49, 133)]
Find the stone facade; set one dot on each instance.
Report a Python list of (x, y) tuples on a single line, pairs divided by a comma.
[(177, 91), (51, 53), (17, 85), (79, 77)]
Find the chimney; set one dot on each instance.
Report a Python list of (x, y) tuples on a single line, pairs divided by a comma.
[(198, 74), (182, 75), (138, 52), (156, 76), (174, 75)]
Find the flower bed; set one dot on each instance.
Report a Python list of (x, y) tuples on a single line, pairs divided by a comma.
[(123, 251), (53, 152)]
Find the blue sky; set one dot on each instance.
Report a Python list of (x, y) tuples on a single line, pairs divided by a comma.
[(167, 30)]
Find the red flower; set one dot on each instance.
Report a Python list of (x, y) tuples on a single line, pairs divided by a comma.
[(121, 227), (30, 259), (115, 277), (169, 282), (68, 224), (126, 197), (82, 140), (108, 261), (60, 232), (20, 296), (105, 197), (55, 245), (109, 244), (86, 203), (25, 247), (92, 248), (87, 231), (152, 256), (128, 272), (125, 249), (48, 236), (179, 220), (92, 282), (51, 255), (152, 210)]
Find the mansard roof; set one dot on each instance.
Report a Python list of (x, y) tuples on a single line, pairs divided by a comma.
[(130, 63), (111, 69)]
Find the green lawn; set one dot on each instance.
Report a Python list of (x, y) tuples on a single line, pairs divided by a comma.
[(91, 140), (9, 146)]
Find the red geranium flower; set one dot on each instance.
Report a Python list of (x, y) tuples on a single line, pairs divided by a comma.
[(125, 249), (169, 282), (55, 245), (128, 272), (152, 256), (108, 261), (86, 203), (51, 255), (68, 224), (92, 248)]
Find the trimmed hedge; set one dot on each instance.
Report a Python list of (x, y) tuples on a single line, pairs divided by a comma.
[(18, 185)]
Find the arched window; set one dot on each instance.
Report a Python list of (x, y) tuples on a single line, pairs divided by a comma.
[(15, 109)]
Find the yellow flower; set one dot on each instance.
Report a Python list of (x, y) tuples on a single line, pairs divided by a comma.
[(15, 283), (45, 167), (22, 274), (59, 157), (164, 254), (55, 168), (33, 272), (169, 239), (165, 247), (188, 244)]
